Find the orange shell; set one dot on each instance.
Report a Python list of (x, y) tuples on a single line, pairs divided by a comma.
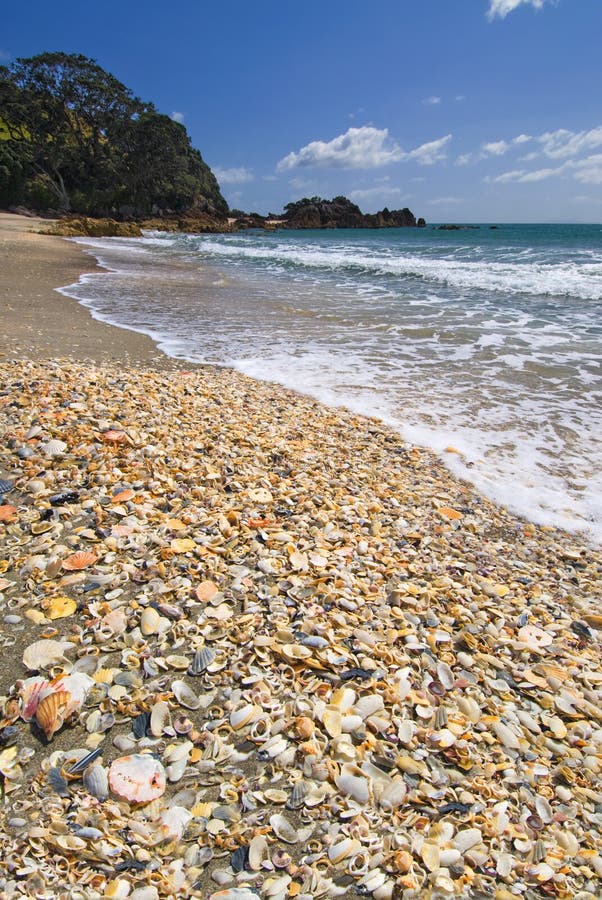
[(206, 590), (112, 436), (122, 496), (138, 778), (51, 712), (7, 512), (80, 560), (449, 513)]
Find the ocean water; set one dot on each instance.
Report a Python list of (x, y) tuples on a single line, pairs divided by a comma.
[(484, 345)]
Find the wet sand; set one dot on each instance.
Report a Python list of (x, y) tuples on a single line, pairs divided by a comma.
[(321, 637)]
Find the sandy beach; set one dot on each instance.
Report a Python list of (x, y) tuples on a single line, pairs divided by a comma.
[(297, 657)]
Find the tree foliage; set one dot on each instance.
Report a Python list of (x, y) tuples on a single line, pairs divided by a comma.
[(73, 134)]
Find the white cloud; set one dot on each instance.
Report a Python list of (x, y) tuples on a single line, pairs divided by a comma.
[(431, 152), (382, 191), (358, 148), (522, 139), (445, 201), (464, 159), (495, 148), (589, 170), (432, 101), (232, 176), (459, 98), (523, 177), (563, 143), (501, 8), (529, 157), (362, 148), (177, 117)]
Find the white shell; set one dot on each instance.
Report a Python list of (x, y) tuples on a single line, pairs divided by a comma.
[(283, 829), (352, 782), (160, 718), (45, 653), (185, 695), (54, 447), (96, 781), (243, 715), (341, 850)]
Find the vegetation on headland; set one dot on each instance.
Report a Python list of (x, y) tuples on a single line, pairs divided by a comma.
[(74, 139), (77, 145)]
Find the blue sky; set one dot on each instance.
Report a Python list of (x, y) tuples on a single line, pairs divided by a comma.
[(464, 110)]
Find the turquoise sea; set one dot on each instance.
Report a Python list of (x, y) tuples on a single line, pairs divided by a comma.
[(487, 340)]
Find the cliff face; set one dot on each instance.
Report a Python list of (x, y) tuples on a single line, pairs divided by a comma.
[(342, 213)]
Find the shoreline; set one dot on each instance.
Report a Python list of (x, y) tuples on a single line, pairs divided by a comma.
[(313, 603)]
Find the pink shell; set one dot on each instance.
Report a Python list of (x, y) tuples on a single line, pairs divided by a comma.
[(29, 691), (138, 778)]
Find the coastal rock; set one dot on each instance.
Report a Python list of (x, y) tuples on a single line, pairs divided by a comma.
[(82, 226)]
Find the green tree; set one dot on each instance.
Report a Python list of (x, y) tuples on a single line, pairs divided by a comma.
[(75, 131)]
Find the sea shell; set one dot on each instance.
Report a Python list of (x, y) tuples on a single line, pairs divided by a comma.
[(54, 447), (52, 711), (351, 781), (343, 849), (258, 852), (113, 436), (8, 513), (201, 660), (29, 692), (283, 829), (45, 653), (60, 607), (534, 637), (159, 718), (150, 621), (205, 591), (394, 795), (137, 778), (244, 714), (80, 560), (185, 695), (96, 781)]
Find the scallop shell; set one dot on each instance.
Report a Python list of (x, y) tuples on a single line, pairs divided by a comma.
[(201, 660), (54, 447), (52, 711), (96, 781), (29, 693), (205, 591), (45, 653), (80, 560), (60, 607), (283, 829), (137, 778)]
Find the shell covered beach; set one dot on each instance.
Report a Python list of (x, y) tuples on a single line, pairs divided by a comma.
[(256, 647)]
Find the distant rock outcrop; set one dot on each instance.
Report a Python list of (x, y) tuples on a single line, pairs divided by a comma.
[(340, 212)]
